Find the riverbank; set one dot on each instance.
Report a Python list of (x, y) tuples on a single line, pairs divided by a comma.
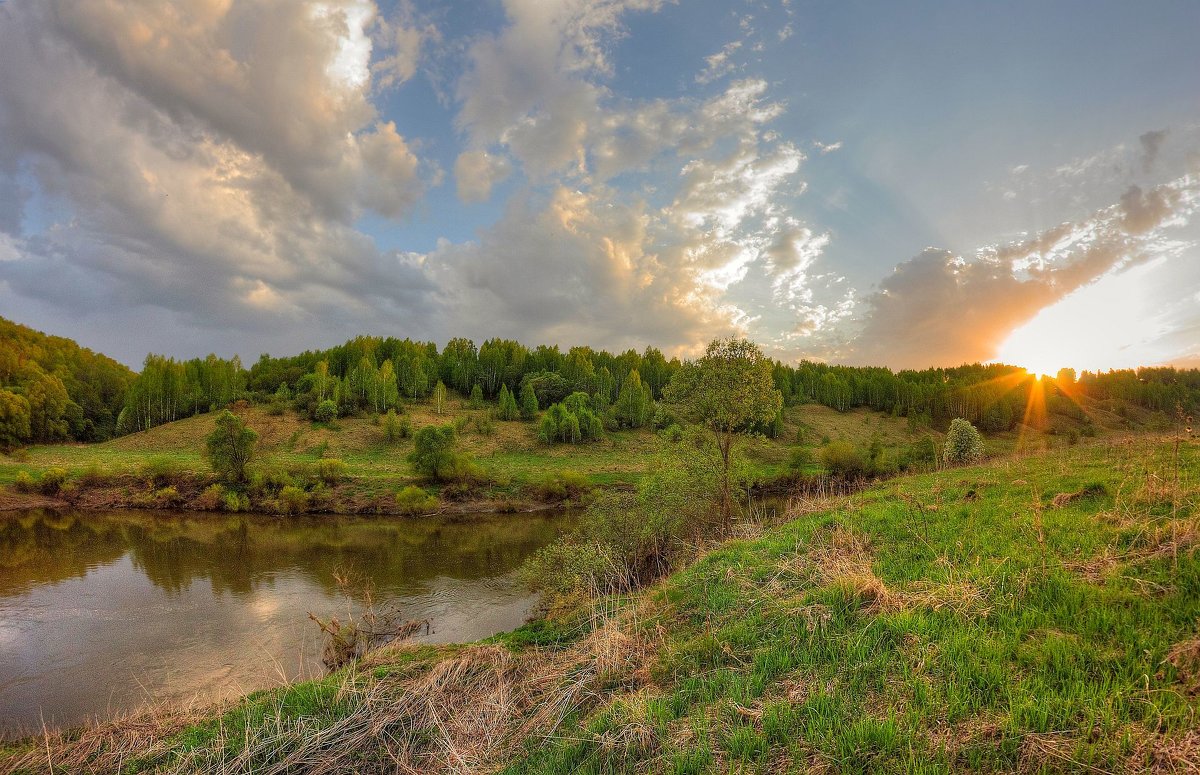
[(1039, 613), (349, 467)]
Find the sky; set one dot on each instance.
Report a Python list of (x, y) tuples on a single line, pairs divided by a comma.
[(901, 184)]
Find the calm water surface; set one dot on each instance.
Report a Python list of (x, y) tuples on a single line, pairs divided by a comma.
[(103, 611)]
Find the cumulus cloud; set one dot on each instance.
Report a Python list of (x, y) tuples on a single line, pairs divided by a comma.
[(594, 264), (476, 172), (536, 93), (940, 308), (213, 157)]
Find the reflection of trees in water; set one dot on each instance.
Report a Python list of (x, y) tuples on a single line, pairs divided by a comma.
[(237, 554), (40, 546)]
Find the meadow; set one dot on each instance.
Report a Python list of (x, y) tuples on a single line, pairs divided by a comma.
[(515, 465), (1036, 613)]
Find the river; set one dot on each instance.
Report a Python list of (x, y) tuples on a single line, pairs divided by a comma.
[(101, 612)]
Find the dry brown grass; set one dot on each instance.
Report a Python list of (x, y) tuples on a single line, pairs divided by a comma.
[(1185, 658), (841, 557), (1152, 752), (466, 713), (1156, 539), (107, 746)]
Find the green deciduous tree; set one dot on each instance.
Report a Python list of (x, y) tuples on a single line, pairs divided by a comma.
[(14, 420), (634, 405), (433, 455), (730, 388), (230, 447), (48, 401), (571, 421)]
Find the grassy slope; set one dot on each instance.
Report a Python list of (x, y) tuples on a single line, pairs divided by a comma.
[(511, 455), (974, 619)]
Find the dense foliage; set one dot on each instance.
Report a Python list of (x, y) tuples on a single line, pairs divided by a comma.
[(230, 447), (434, 456), (727, 390), (51, 389)]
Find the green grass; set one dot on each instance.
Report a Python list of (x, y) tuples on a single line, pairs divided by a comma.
[(967, 620), (1044, 666), (511, 458)]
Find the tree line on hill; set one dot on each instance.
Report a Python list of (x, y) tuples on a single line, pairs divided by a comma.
[(51, 389)]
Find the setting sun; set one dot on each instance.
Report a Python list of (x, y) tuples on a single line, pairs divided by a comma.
[(1106, 325)]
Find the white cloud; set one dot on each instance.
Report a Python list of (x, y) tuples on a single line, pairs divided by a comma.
[(476, 172), (212, 157), (720, 64)]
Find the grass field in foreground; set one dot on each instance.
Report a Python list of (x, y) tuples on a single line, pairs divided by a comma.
[(1039, 614)]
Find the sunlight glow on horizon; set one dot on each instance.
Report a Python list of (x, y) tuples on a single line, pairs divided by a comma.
[(1102, 326)]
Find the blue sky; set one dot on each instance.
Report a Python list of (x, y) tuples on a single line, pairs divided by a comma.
[(904, 184)]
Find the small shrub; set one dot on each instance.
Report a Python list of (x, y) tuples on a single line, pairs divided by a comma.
[(270, 480), (921, 453), (485, 425), (94, 476), (799, 458), (326, 411), (842, 459), (964, 444), (234, 502), (460, 423), (166, 496), (161, 471), (414, 500), (276, 408), (212, 498), (558, 486), (293, 499), (395, 427), (24, 482), (52, 481), (331, 471), (673, 433)]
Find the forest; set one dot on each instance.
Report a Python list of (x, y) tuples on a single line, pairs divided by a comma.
[(51, 389)]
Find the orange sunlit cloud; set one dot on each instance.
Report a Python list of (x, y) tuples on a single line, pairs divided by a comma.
[(1109, 324)]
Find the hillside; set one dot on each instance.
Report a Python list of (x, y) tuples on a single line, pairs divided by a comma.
[(511, 458), (518, 471), (1030, 614), (63, 390)]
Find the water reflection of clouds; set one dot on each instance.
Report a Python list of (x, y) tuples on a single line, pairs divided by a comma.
[(137, 626)]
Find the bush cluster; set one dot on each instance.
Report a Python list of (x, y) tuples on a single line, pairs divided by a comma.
[(571, 421), (415, 500)]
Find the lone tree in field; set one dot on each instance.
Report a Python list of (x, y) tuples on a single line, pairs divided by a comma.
[(964, 444), (433, 455), (727, 390), (230, 447)]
